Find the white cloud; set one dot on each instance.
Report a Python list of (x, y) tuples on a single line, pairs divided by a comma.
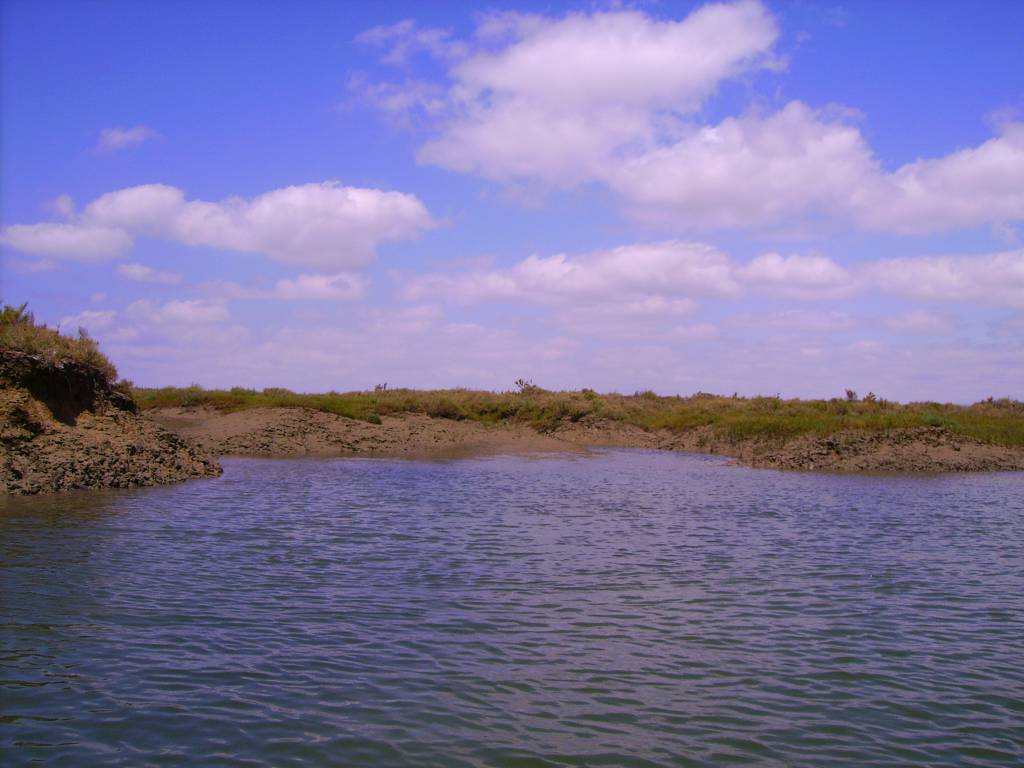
[(666, 269), (992, 279), (624, 57), (402, 100), (799, 277), (323, 225), (662, 279), (113, 139), (77, 242), (405, 38), (611, 97), (339, 287), (983, 184), (180, 312), (90, 319), (637, 318), (554, 98), (802, 164), (140, 273), (746, 172)]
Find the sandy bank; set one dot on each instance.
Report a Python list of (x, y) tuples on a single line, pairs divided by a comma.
[(300, 432), (288, 432)]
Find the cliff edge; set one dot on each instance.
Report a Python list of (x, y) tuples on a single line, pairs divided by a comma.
[(64, 426)]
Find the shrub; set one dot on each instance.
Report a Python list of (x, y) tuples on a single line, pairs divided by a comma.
[(277, 392), (19, 331)]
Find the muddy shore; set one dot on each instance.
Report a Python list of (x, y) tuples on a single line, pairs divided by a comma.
[(291, 432)]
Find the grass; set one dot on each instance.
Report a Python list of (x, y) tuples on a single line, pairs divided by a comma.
[(20, 332), (737, 418), (769, 418)]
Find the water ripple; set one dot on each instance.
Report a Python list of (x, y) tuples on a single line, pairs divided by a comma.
[(627, 608)]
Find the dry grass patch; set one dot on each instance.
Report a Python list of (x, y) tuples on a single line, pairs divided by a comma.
[(20, 332)]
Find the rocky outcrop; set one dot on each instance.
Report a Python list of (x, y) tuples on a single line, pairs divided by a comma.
[(62, 427)]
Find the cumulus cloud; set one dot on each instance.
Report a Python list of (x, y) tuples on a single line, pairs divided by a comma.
[(663, 279), (611, 97), (113, 139), (751, 171), (971, 186), (554, 98), (141, 273), (801, 164), (666, 269), (800, 277), (323, 225), (85, 241), (996, 278)]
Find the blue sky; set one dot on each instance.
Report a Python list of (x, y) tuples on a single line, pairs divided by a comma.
[(789, 198)]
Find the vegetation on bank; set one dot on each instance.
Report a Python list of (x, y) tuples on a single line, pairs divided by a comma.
[(20, 332), (996, 421)]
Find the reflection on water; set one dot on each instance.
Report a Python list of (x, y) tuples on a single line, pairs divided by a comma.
[(624, 608)]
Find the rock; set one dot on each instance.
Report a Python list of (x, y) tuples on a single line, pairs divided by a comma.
[(62, 427)]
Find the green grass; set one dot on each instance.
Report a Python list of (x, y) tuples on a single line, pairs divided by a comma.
[(20, 332), (767, 418)]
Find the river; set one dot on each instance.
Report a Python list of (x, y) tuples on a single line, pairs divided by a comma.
[(623, 608)]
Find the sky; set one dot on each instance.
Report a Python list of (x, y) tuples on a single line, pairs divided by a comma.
[(792, 198)]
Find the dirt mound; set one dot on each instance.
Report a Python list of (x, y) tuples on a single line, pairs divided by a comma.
[(599, 431), (919, 449), (303, 432), (63, 427)]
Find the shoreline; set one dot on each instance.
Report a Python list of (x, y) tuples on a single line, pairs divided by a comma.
[(289, 432)]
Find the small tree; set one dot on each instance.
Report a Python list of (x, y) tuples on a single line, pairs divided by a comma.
[(851, 395)]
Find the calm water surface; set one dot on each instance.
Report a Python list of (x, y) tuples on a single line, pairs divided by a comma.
[(624, 608)]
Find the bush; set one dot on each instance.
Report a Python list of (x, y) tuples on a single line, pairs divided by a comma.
[(19, 331), (277, 392)]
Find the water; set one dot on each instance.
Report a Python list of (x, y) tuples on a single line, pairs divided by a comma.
[(628, 608)]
